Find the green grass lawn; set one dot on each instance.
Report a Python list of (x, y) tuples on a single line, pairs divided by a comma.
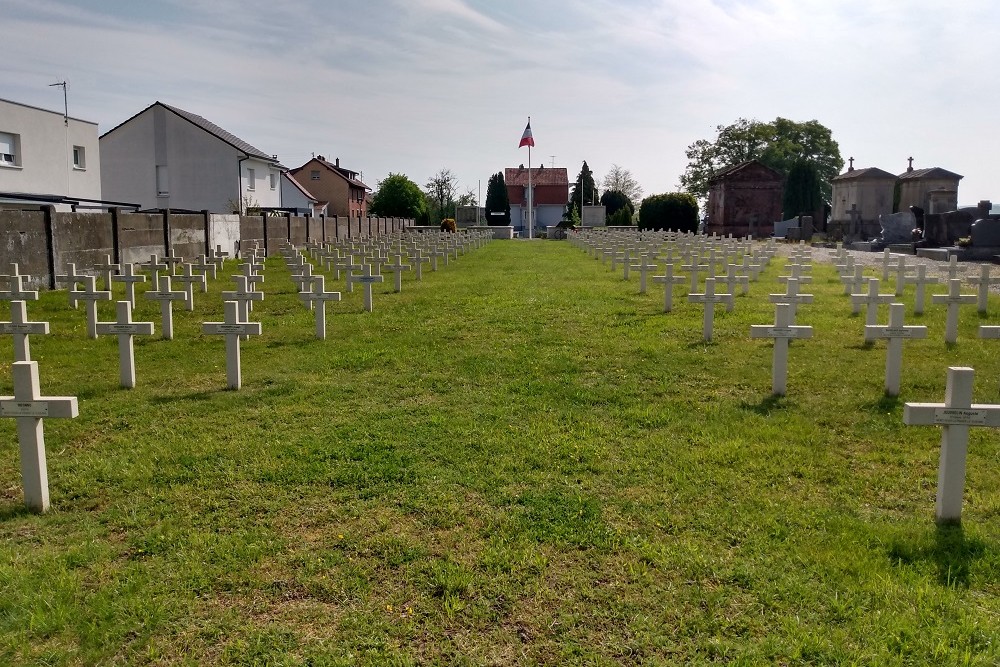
[(518, 461)]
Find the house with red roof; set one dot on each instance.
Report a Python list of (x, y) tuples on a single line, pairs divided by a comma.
[(341, 188), (551, 192)]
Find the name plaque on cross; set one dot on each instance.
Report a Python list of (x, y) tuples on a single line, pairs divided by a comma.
[(24, 409)]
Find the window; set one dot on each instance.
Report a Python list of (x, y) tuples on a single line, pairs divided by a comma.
[(10, 145), (314, 175), (162, 181), (251, 179), (274, 180), (79, 157)]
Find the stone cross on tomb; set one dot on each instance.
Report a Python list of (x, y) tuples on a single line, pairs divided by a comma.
[(20, 328), (397, 267), (319, 296), (16, 290), (72, 279), (188, 277), (107, 270), (695, 269), (28, 407), (154, 266), (367, 279), (783, 330), (233, 328), (791, 297), (243, 296), (207, 268), (870, 300), (668, 280), (130, 278), (90, 295), (903, 270), (125, 328), (644, 267), (895, 332), (710, 298), (953, 299), (733, 278), (920, 280), (955, 416), (166, 296), (855, 224), (983, 282)]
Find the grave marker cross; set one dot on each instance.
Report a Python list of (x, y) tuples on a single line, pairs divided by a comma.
[(19, 327), (243, 296), (895, 332), (782, 332), (130, 278), (72, 278), (233, 328), (319, 296), (953, 299), (955, 416), (16, 290), (125, 328), (920, 280), (644, 267), (91, 296), (397, 268), (166, 296), (710, 298), (983, 282), (107, 270), (368, 279), (871, 300), (189, 277), (668, 279)]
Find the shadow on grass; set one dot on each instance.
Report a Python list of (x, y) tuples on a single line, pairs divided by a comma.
[(193, 396), (766, 405), (866, 345), (885, 404), (950, 553), (14, 511)]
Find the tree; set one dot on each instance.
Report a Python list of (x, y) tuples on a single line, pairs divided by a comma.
[(467, 198), (497, 201), (780, 144), (621, 179), (620, 218), (675, 210), (802, 191), (585, 186), (615, 200), (441, 188), (397, 197)]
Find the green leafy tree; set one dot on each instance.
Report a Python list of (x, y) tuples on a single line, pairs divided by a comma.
[(623, 181), (584, 189), (397, 197), (676, 211), (620, 218), (780, 144), (497, 201), (616, 200), (441, 189)]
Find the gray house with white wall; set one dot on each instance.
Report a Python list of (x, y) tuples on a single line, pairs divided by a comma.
[(165, 157), (47, 154)]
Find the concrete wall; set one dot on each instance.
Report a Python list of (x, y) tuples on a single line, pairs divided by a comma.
[(224, 230), (24, 243), (44, 163)]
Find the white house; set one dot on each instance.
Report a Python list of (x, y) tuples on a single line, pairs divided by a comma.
[(47, 154), (165, 157), (295, 195)]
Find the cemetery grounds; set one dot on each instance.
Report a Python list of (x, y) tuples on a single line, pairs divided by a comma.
[(517, 461)]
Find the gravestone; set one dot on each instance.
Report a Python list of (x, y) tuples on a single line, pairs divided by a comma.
[(16, 290), (107, 270), (72, 279), (233, 328), (920, 280), (20, 328), (953, 299), (709, 298), (983, 282), (782, 332), (243, 296), (166, 296), (668, 280), (130, 278), (897, 227), (125, 329), (29, 408), (90, 295), (955, 416), (319, 296), (895, 332), (367, 279), (870, 300), (397, 267), (792, 297), (188, 277)]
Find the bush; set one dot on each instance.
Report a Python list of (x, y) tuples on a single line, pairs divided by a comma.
[(620, 218), (677, 211), (448, 225)]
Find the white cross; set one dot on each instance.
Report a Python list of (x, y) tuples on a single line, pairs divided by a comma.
[(418, 259), (797, 271), (367, 279), (853, 282), (902, 272), (792, 297), (895, 332), (233, 328), (251, 272), (331, 261), (303, 278), (710, 298), (397, 268), (29, 407), (72, 278), (696, 270), (783, 330), (107, 269), (668, 280), (870, 300), (953, 299), (154, 266), (244, 296), (644, 267), (172, 262), (920, 280), (125, 328), (886, 262), (19, 327), (349, 266), (983, 282), (207, 268), (434, 254), (751, 269), (91, 296), (319, 296), (16, 291), (166, 296), (953, 267), (955, 416), (845, 266), (130, 278), (188, 277), (733, 279)]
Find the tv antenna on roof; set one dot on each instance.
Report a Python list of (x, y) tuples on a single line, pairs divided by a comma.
[(65, 101)]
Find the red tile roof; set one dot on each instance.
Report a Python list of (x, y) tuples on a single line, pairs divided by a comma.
[(539, 176)]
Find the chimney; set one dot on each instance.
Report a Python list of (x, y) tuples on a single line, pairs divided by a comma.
[(321, 158), (338, 162)]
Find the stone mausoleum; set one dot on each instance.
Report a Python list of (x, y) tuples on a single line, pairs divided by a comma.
[(744, 199), (859, 197)]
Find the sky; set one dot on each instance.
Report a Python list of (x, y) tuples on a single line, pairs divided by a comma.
[(416, 86)]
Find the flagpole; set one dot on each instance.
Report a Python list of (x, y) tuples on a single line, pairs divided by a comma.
[(531, 211)]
